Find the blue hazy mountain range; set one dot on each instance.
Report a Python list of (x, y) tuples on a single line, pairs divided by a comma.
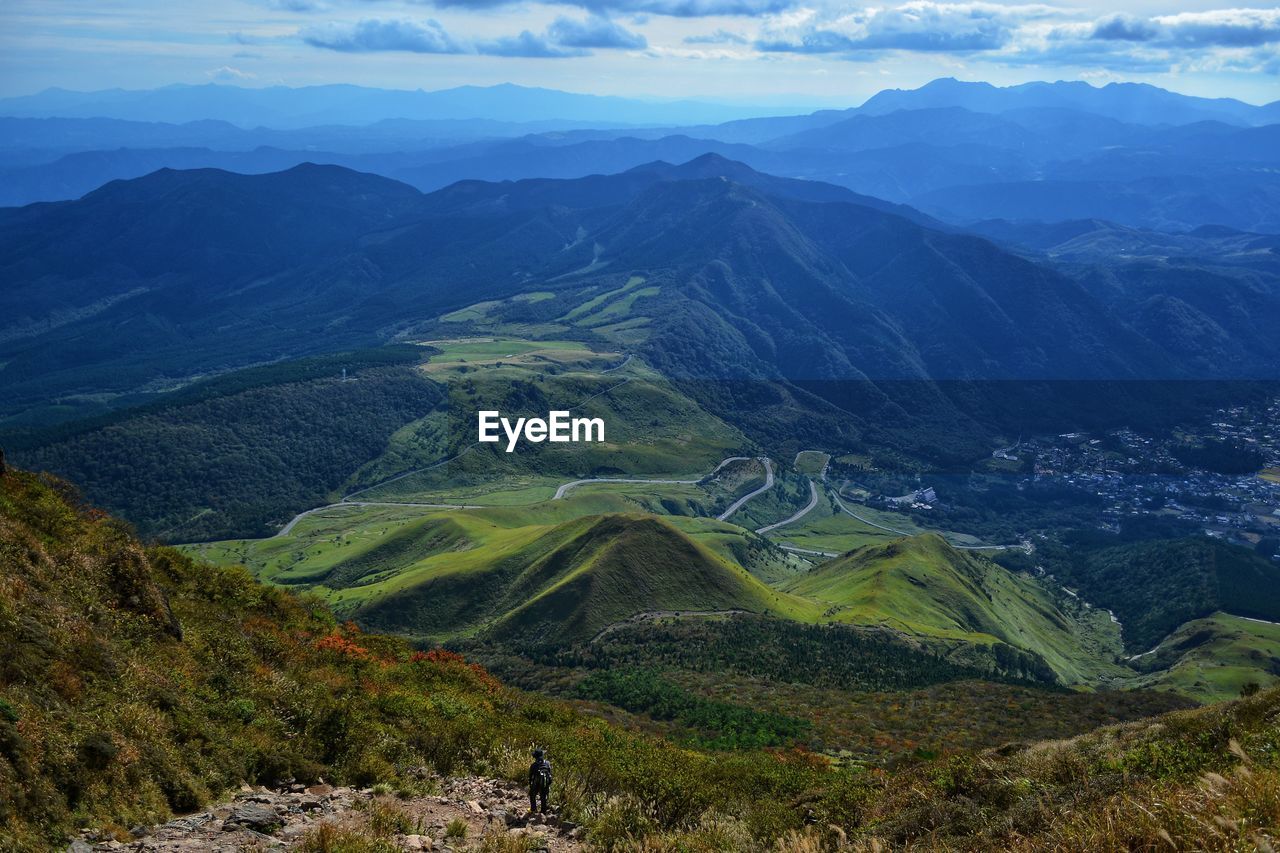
[(963, 152), (145, 283), (286, 107)]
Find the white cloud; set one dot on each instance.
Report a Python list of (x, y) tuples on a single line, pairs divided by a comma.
[(918, 25), (374, 35)]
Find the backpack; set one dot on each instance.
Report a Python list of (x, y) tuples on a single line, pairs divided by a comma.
[(542, 775)]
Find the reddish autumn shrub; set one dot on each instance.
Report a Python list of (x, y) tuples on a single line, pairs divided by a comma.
[(340, 645)]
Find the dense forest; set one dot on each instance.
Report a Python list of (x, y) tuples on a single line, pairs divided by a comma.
[(783, 651), (1156, 585), (238, 456), (709, 723)]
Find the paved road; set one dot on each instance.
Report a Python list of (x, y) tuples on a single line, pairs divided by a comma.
[(560, 492), (768, 484), (284, 531), (623, 364), (813, 501), (1251, 619), (840, 504), (794, 550), (848, 511), (346, 499)]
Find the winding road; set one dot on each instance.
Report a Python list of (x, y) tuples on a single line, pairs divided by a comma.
[(560, 491), (564, 488), (768, 484), (813, 501), (897, 532), (794, 550), (284, 531)]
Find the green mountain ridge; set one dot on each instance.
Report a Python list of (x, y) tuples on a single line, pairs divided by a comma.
[(1214, 656), (759, 279), (577, 579), (922, 586)]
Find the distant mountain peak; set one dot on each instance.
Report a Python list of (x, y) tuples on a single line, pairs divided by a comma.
[(1139, 103)]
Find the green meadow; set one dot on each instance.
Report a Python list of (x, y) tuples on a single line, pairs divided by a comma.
[(1213, 658)]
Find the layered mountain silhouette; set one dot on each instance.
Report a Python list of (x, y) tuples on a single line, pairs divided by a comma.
[(148, 282), (961, 151)]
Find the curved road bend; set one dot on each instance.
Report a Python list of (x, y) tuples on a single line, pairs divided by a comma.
[(560, 492), (284, 531), (794, 550), (840, 504), (813, 501), (768, 484)]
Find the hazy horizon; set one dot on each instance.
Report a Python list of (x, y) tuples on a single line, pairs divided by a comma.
[(766, 52), (799, 104)]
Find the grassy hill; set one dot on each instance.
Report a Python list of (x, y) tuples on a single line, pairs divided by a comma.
[(652, 428), (922, 586), (1214, 658), (574, 580)]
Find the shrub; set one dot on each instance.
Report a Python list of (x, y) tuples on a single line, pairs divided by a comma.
[(387, 818)]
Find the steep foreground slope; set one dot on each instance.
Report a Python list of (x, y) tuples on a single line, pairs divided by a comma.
[(136, 682)]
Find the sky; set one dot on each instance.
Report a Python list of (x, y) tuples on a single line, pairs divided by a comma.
[(799, 52)]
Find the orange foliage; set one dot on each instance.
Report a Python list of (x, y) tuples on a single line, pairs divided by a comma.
[(339, 644), (447, 659)]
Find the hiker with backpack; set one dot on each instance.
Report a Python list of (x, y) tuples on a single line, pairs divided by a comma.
[(539, 781)]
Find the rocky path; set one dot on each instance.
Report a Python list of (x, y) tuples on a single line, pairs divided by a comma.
[(470, 813)]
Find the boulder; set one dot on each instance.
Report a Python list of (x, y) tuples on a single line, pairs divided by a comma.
[(254, 816)]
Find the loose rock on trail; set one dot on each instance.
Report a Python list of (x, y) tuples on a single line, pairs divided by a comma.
[(261, 819)]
